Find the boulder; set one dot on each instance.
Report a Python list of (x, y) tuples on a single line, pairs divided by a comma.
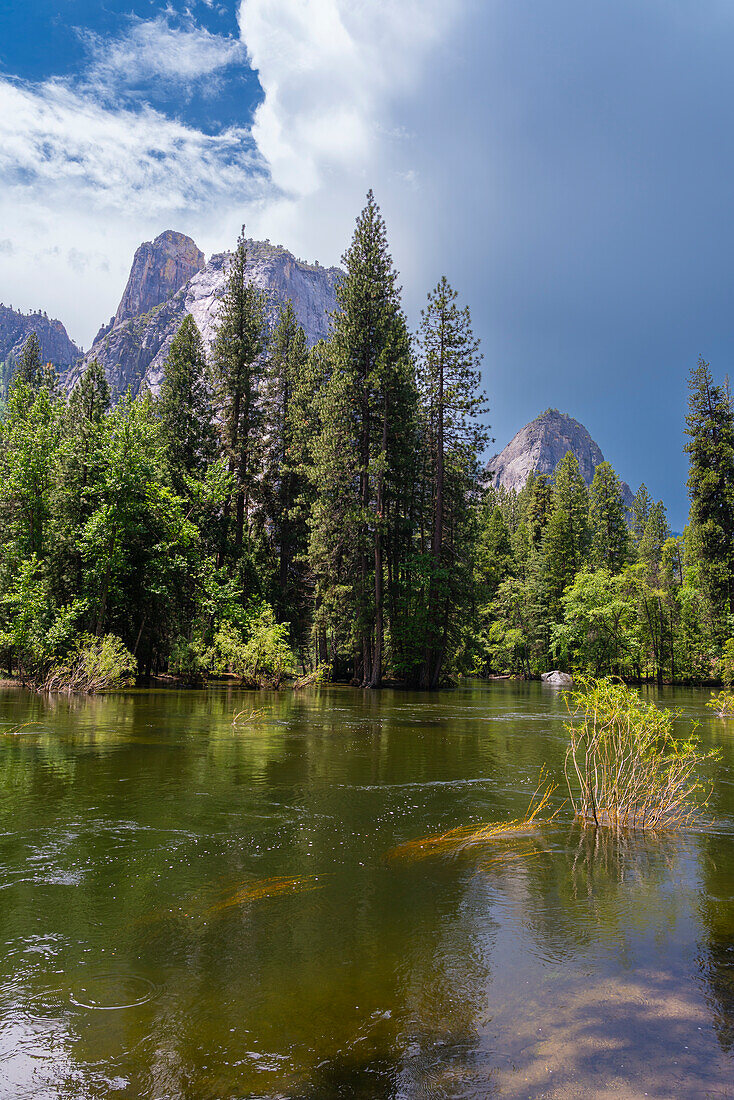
[(557, 679)]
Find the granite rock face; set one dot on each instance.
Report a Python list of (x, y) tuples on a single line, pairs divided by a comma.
[(160, 268), (16, 327), (541, 445), (133, 351)]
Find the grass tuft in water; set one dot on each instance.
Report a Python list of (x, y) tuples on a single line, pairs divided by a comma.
[(245, 718)]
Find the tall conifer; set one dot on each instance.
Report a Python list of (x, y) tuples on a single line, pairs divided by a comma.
[(452, 405), (236, 371)]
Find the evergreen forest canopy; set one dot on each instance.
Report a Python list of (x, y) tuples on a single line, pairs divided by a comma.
[(281, 511)]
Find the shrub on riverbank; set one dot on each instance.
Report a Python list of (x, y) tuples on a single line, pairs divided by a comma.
[(624, 767), (94, 665)]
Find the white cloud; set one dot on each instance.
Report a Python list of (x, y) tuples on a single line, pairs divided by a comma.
[(59, 144), (153, 49), (329, 70), (83, 179)]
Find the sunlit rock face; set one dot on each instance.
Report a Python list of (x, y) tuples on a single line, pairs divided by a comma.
[(133, 351), (160, 268), (16, 327), (541, 445)]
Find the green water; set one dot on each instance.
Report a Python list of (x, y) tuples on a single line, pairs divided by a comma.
[(192, 911)]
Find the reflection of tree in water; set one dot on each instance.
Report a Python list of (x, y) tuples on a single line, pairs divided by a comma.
[(717, 952), (719, 970), (717, 888)]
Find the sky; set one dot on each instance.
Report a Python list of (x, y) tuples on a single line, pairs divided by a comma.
[(569, 165)]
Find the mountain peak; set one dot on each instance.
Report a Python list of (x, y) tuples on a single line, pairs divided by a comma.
[(159, 269), (541, 445), (133, 349)]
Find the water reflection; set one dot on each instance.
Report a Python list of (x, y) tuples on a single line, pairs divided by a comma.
[(238, 876)]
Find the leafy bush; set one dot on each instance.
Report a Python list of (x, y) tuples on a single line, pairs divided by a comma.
[(32, 627), (624, 767), (95, 664), (188, 659), (261, 656)]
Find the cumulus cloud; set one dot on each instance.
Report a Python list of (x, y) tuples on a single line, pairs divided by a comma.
[(329, 69), (154, 49)]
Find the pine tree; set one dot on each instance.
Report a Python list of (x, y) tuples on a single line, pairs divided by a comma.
[(609, 531), (281, 479), (640, 510), (30, 364), (236, 372), (81, 469), (538, 507), (654, 537), (571, 494), (710, 428), (452, 405), (494, 558), (185, 407)]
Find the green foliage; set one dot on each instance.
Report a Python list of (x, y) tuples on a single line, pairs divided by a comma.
[(609, 532), (279, 507), (600, 628), (710, 446), (185, 408), (34, 630), (451, 406), (236, 370), (722, 703), (362, 463)]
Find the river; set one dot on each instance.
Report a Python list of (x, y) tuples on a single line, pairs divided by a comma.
[(191, 911)]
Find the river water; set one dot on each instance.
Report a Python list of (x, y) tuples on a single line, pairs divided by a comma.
[(191, 911)]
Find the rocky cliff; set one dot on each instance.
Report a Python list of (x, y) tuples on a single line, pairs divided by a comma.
[(16, 327), (160, 268), (134, 349), (541, 445)]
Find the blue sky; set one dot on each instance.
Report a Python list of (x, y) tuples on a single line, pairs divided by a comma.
[(568, 165)]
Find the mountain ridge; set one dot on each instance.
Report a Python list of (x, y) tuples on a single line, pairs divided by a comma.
[(57, 347), (133, 350)]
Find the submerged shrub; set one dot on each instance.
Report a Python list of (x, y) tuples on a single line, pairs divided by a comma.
[(624, 768), (722, 704), (95, 664)]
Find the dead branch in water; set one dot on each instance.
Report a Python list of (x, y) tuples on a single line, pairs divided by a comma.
[(242, 719)]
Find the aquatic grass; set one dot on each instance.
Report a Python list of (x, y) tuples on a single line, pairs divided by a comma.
[(242, 894), (722, 704), (623, 766), (259, 889), (459, 839)]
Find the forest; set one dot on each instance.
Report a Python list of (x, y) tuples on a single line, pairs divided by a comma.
[(279, 513)]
